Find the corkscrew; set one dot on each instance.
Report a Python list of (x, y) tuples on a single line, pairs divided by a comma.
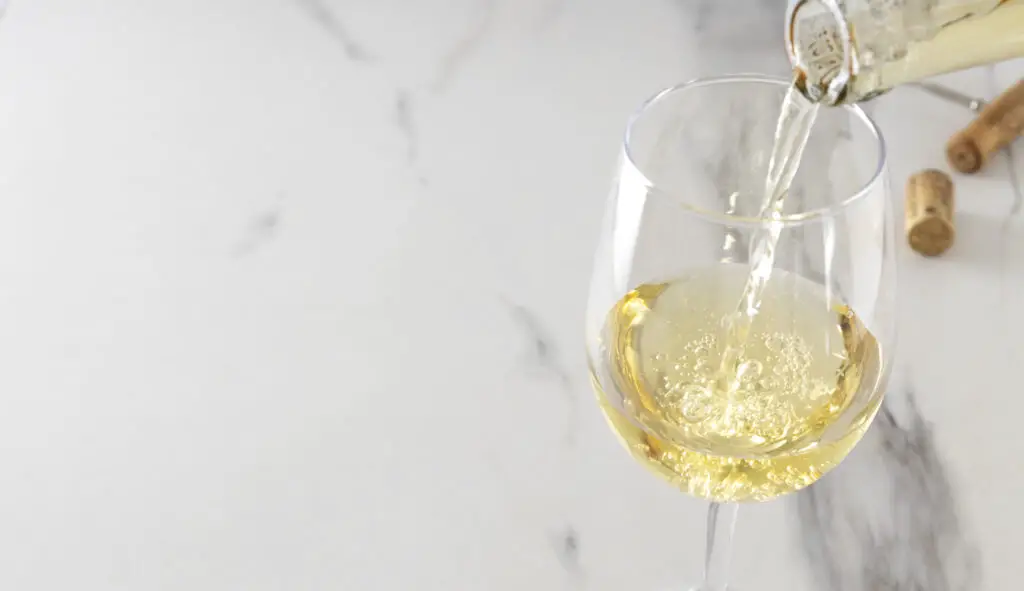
[(954, 96), (997, 123)]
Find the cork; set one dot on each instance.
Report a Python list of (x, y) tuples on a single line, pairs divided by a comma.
[(929, 212), (998, 124)]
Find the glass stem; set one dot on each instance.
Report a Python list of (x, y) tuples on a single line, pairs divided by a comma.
[(718, 553)]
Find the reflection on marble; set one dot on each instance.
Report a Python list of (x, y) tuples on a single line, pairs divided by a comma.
[(293, 299)]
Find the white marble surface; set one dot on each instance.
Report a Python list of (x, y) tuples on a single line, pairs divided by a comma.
[(293, 293)]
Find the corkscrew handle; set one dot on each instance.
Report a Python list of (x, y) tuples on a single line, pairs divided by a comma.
[(998, 124)]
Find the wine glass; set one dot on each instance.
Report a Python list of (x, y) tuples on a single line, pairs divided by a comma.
[(751, 415)]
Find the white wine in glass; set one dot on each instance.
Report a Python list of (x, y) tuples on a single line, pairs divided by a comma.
[(727, 415), (798, 374)]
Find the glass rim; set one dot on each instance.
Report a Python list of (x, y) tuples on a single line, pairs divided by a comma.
[(792, 219)]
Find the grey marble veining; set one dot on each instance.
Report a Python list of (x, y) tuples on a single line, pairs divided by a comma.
[(466, 44), (253, 337), (567, 546), (321, 12), (891, 516), (261, 229), (543, 361), (404, 121), (888, 517), (734, 32)]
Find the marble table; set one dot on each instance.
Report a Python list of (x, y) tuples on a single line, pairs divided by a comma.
[(293, 295)]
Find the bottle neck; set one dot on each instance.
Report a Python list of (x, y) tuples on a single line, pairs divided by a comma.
[(964, 34), (820, 49), (892, 46)]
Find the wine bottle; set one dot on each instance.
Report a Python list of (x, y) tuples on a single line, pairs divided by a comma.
[(847, 51)]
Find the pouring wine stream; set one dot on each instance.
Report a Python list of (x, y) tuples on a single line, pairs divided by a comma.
[(792, 131)]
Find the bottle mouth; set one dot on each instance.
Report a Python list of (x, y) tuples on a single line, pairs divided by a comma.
[(820, 49)]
